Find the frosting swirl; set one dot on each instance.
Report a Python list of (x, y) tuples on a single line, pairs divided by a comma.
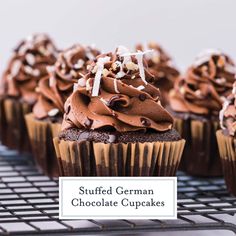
[(162, 67), (228, 113), (206, 84), (116, 96), (55, 88), (27, 66)]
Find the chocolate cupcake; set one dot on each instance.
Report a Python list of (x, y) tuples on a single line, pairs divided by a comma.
[(114, 124), (227, 142), (162, 67), (195, 103), (17, 91), (45, 121)]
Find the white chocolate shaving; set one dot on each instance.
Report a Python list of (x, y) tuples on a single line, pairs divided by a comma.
[(204, 56), (131, 66), (50, 69), (30, 59), (79, 64), (28, 70), (139, 56), (140, 87), (73, 73), (53, 112), (120, 74), (96, 84), (234, 89), (104, 101), (89, 54), (81, 74), (88, 87), (220, 80), (75, 87), (124, 52), (36, 72), (82, 82), (105, 72), (116, 86), (52, 81), (15, 68)]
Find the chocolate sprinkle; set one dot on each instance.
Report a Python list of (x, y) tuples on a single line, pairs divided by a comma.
[(67, 110), (145, 122), (142, 97)]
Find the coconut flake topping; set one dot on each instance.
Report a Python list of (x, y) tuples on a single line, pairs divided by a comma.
[(100, 66), (139, 56), (115, 86)]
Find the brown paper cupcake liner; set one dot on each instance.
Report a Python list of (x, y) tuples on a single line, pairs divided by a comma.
[(3, 129), (41, 139), (131, 159), (13, 128), (200, 156), (227, 147)]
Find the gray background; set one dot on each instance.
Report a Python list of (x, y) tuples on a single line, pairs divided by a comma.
[(183, 27)]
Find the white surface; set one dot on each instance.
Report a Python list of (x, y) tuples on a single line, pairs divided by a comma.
[(183, 27)]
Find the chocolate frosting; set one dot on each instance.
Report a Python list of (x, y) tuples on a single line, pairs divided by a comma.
[(161, 66), (206, 84), (116, 96), (27, 66), (228, 113), (55, 88)]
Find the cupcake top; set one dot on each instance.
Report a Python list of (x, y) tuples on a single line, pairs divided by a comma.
[(160, 63), (207, 82), (27, 66), (55, 88), (115, 96), (228, 113)]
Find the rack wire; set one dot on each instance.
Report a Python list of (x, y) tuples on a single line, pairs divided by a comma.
[(29, 205)]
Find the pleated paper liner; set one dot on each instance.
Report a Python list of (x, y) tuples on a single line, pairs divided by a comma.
[(119, 159), (14, 133), (41, 139), (227, 149), (3, 129), (200, 156)]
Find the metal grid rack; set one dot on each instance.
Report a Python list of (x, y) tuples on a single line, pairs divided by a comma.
[(29, 205)]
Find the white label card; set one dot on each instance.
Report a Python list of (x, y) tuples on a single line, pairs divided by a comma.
[(117, 197)]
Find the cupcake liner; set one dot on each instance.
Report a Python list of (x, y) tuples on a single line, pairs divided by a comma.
[(76, 158), (3, 129), (41, 134), (13, 128), (227, 146), (119, 159), (200, 156)]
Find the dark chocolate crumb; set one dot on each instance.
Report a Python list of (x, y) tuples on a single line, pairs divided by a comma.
[(142, 97), (67, 110)]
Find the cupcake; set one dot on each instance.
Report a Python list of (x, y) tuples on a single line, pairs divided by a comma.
[(195, 103), (162, 67), (114, 123), (226, 140), (17, 90), (45, 121)]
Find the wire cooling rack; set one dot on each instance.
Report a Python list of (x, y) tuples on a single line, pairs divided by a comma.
[(29, 205)]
